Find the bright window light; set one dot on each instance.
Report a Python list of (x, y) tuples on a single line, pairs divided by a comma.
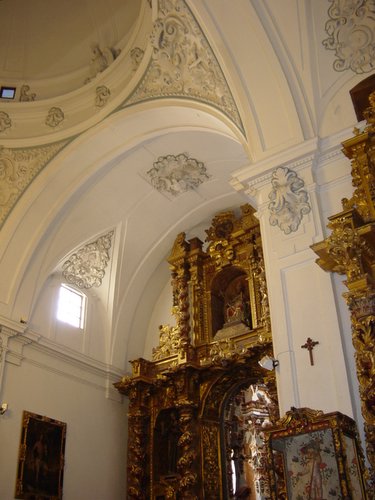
[(71, 306)]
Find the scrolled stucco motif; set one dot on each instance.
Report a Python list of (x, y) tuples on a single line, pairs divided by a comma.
[(177, 174), (85, 268), (351, 34), (289, 202), (18, 167), (102, 95), (136, 55), (55, 117), (183, 63), (5, 121)]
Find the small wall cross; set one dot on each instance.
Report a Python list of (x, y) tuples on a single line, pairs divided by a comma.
[(310, 346)]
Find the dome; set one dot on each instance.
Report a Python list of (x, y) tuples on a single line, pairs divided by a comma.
[(48, 44)]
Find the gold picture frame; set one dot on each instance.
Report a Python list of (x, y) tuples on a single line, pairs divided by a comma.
[(315, 455), (41, 458)]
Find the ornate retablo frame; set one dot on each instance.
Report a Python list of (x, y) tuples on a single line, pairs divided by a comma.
[(315, 455), (41, 458), (176, 439)]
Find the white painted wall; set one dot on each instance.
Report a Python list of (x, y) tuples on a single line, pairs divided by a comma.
[(53, 386)]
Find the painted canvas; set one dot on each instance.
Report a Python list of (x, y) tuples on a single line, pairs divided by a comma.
[(311, 466), (41, 458)]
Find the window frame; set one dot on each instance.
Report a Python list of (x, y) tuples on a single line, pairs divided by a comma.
[(82, 308)]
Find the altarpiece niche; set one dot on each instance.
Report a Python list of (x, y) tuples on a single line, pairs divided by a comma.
[(198, 410)]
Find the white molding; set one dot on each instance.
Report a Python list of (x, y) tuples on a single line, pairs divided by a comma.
[(53, 357)]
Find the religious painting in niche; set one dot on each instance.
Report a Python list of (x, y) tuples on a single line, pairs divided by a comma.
[(309, 468), (230, 303), (166, 436), (247, 413), (41, 458)]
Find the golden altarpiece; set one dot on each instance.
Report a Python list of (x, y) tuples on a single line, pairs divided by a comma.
[(350, 250), (198, 410)]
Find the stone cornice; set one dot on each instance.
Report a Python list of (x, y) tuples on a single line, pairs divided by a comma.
[(65, 362)]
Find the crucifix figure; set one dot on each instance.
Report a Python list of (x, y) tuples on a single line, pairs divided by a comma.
[(310, 346)]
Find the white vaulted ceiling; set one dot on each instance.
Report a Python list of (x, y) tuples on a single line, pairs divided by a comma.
[(285, 91)]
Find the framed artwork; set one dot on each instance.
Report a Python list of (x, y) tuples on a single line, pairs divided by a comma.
[(41, 458), (315, 455)]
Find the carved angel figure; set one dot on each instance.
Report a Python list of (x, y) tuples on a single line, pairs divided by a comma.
[(100, 60)]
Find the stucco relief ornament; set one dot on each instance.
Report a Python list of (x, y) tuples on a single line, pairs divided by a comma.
[(5, 121), (55, 117), (177, 174), (289, 202), (18, 167), (100, 60), (351, 34), (183, 63), (136, 56), (25, 94), (86, 268), (102, 95)]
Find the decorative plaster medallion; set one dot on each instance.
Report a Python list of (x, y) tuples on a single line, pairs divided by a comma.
[(102, 96), (85, 268), (289, 202), (55, 117), (177, 174), (5, 121), (352, 34), (183, 63), (18, 167), (24, 94), (136, 56)]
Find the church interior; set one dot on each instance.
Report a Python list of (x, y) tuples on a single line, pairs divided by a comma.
[(187, 249)]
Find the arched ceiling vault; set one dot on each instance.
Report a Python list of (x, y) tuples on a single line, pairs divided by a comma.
[(199, 88)]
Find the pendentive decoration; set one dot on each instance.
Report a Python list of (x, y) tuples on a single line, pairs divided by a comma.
[(5, 121), (350, 250), (351, 35), (289, 201), (18, 167), (176, 174), (86, 268), (183, 63)]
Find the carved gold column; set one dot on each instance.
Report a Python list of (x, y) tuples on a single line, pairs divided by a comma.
[(350, 250), (180, 278), (187, 444), (137, 388)]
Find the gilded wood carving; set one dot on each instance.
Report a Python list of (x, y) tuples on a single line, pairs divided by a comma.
[(350, 250), (178, 433)]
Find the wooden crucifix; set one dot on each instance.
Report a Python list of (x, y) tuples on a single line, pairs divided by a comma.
[(310, 346)]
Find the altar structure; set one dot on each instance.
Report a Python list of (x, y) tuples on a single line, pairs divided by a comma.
[(199, 409)]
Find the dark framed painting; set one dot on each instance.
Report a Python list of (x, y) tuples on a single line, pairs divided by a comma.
[(40, 470), (315, 455)]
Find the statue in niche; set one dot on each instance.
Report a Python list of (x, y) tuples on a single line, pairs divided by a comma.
[(236, 302)]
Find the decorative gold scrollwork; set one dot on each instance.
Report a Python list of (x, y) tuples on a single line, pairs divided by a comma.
[(350, 250)]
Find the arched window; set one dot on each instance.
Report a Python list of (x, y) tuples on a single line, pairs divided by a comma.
[(71, 306)]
